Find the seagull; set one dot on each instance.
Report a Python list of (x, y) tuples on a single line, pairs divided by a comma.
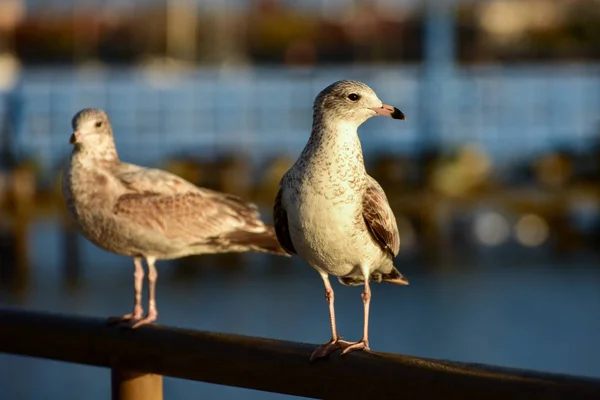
[(149, 213), (331, 213)]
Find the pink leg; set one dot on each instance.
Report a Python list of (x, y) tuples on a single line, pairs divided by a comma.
[(138, 281), (363, 344), (335, 343), (152, 311)]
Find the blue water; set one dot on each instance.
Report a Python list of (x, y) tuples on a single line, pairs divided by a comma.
[(511, 308)]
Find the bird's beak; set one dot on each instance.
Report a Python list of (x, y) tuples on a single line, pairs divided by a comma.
[(389, 111), (74, 137)]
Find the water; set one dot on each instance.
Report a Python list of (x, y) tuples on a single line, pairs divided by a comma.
[(508, 308)]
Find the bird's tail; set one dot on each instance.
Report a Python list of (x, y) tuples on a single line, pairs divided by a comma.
[(394, 276), (262, 242)]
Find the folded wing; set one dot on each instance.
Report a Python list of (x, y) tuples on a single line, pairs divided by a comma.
[(380, 219), (170, 206), (280, 222)]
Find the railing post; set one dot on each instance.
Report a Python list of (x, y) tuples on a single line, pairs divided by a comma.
[(129, 385)]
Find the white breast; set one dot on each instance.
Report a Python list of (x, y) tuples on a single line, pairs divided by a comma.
[(322, 195), (327, 227)]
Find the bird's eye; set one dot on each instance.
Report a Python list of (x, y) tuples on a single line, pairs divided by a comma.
[(98, 124), (353, 96)]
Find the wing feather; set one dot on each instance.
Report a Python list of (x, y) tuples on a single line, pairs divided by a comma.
[(380, 219), (280, 222), (175, 208)]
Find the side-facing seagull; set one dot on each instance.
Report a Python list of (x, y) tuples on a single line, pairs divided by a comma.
[(148, 213), (330, 212)]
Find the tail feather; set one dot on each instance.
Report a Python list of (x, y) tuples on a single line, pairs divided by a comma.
[(262, 242), (394, 276)]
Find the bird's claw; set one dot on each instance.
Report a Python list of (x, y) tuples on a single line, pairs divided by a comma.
[(326, 349), (132, 321), (123, 319), (141, 322), (362, 345)]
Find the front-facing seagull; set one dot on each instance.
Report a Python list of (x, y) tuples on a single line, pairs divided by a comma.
[(149, 213), (330, 212)]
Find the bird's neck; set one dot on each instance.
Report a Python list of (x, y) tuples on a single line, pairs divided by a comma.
[(335, 143), (104, 157)]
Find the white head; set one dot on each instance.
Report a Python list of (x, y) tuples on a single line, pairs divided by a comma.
[(351, 101), (92, 132)]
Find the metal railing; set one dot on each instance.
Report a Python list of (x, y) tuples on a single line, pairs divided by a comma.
[(138, 360)]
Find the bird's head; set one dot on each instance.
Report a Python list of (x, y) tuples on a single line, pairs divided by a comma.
[(352, 101), (91, 129)]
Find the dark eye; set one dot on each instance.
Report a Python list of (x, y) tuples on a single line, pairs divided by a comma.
[(98, 124), (353, 96)]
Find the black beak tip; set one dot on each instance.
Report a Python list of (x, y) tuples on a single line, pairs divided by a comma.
[(72, 140), (397, 114)]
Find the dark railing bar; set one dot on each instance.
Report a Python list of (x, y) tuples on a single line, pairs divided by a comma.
[(272, 365)]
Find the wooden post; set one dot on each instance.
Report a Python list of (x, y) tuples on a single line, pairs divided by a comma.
[(129, 385)]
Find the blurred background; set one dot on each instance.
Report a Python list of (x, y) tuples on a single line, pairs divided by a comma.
[(494, 177)]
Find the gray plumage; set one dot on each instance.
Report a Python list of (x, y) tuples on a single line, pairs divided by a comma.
[(330, 212), (150, 213)]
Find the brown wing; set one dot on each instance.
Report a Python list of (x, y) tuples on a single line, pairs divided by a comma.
[(380, 219), (173, 207), (280, 222)]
